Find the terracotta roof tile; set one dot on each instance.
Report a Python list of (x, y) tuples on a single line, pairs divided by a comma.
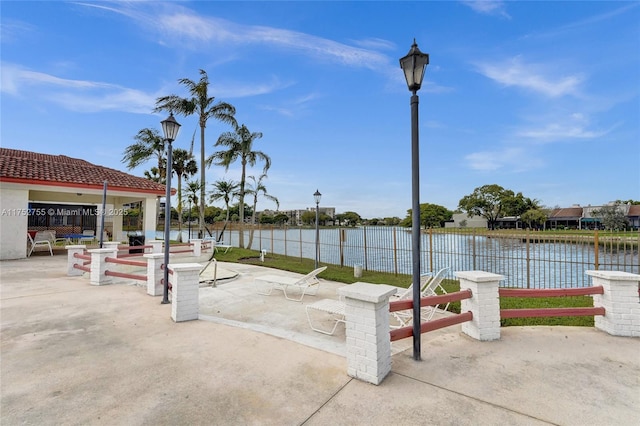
[(46, 169)]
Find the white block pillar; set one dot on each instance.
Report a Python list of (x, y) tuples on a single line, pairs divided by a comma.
[(367, 330), (72, 260), (185, 289), (113, 245), (196, 244), (484, 304), (155, 274), (156, 246), (99, 265), (620, 301)]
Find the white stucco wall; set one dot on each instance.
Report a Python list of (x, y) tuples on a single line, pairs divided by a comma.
[(150, 214), (13, 223)]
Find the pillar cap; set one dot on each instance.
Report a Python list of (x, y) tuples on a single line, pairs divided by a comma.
[(367, 292), (614, 275), (479, 276)]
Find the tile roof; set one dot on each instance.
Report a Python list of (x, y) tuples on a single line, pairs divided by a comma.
[(634, 210), (569, 212), (59, 170)]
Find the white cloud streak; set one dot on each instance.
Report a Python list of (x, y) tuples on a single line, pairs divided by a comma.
[(532, 77), (74, 95), (488, 7)]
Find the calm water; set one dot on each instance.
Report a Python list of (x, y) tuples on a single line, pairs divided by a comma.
[(388, 249)]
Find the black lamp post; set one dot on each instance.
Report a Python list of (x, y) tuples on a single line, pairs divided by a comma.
[(413, 66), (170, 128), (189, 218), (316, 196)]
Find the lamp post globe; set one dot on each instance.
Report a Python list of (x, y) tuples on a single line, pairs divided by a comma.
[(170, 127), (413, 65), (316, 196)]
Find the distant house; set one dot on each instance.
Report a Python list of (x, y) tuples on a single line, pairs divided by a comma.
[(463, 220), (42, 191), (634, 216), (568, 217)]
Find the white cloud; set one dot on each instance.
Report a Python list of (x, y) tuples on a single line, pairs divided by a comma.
[(75, 95), (181, 25), (532, 77), (561, 128), (513, 159), (488, 7)]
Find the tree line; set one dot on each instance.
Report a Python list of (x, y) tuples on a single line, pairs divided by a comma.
[(234, 146)]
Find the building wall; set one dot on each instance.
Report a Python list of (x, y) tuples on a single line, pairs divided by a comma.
[(471, 221), (13, 223)]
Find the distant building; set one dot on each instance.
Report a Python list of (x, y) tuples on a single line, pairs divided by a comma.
[(295, 216), (463, 220)]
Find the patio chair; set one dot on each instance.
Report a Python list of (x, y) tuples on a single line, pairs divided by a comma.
[(307, 284), (55, 239), (433, 288), (430, 284), (88, 236), (42, 239), (330, 306)]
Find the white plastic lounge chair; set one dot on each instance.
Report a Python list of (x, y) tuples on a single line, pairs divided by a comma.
[(330, 306), (42, 239), (305, 285), (221, 246), (433, 288), (429, 285), (88, 237)]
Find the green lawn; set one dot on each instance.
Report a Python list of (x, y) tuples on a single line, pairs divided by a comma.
[(345, 275)]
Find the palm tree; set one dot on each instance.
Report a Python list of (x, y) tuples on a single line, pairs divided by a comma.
[(193, 191), (148, 144), (184, 166), (153, 174), (200, 103), (256, 189), (239, 145), (225, 190)]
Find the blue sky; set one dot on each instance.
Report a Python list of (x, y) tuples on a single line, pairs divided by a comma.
[(538, 97)]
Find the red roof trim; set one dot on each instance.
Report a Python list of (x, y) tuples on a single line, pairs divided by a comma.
[(82, 185)]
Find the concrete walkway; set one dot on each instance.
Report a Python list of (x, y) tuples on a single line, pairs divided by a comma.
[(73, 353)]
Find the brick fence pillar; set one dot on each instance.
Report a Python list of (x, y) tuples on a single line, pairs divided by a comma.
[(156, 246), (185, 291), (111, 245), (367, 330), (155, 274), (71, 260), (620, 301), (99, 265), (196, 244), (484, 304)]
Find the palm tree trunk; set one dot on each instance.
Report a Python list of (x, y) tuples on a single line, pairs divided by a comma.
[(202, 184), (179, 207), (253, 221)]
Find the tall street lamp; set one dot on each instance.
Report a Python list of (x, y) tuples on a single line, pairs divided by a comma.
[(170, 128), (317, 195), (413, 65)]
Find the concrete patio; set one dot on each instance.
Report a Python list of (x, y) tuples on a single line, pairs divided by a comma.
[(73, 353)]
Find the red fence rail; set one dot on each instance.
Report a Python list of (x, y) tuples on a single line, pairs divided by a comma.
[(400, 305), (82, 267), (125, 262), (550, 312), (125, 275), (87, 261)]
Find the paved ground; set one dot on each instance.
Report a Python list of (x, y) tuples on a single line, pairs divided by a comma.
[(73, 353)]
